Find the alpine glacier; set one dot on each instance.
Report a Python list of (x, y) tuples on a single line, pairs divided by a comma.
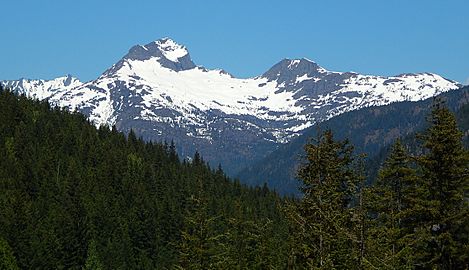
[(157, 91)]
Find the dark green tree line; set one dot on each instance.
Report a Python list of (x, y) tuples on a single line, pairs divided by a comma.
[(74, 196)]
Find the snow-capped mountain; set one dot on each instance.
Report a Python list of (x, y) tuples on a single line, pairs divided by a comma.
[(159, 92)]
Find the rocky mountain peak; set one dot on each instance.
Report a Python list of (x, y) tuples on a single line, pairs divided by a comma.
[(166, 51), (288, 69)]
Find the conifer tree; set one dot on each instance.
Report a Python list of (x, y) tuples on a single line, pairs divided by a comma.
[(242, 239), (323, 220), (200, 246), (7, 259), (93, 262), (391, 205), (445, 175)]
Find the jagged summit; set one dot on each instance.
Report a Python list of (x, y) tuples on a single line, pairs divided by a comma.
[(166, 51), (170, 49), (291, 68)]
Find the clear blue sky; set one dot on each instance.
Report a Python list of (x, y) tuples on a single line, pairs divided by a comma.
[(46, 39)]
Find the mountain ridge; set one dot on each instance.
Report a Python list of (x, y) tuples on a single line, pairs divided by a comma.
[(157, 91), (370, 130)]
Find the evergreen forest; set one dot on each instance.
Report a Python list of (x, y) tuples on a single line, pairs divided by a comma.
[(74, 196)]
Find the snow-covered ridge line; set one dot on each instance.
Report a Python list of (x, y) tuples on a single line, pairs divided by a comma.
[(158, 84), (42, 89)]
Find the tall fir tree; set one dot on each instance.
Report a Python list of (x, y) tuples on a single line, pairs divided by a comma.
[(92, 261), (391, 206), (7, 259), (201, 247), (445, 174), (323, 220)]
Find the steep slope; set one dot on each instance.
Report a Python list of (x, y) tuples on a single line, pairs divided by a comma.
[(160, 93), (72, 194), (369, 130)]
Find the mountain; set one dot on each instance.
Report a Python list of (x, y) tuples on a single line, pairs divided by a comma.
[(371, 130), (160, 93)]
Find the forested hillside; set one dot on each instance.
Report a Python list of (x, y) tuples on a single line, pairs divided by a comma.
[(76, 197), (415, 215), (411, 141), (371, 130)]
